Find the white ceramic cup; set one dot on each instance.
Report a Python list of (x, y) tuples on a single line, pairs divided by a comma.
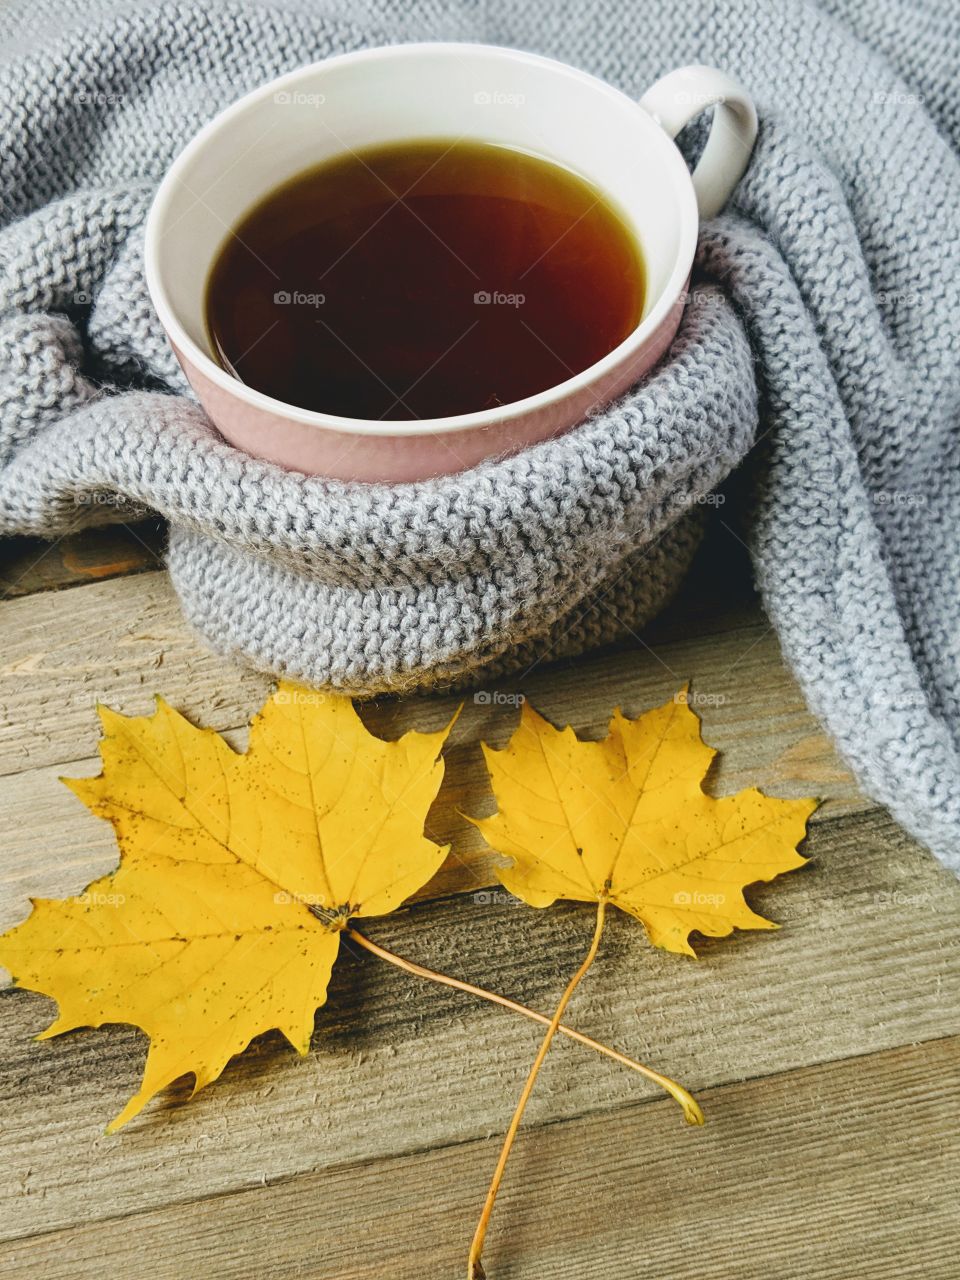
[(473, 92)]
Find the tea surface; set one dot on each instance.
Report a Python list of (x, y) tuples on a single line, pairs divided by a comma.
[(422, 279)]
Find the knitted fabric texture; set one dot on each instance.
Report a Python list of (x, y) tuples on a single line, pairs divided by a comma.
[(823, 329)]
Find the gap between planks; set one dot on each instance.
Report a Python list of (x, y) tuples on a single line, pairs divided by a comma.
[(63, 652), (821, 1173), (868, 960), (121, 640), (866, 965)]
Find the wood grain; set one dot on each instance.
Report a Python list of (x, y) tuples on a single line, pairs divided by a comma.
[(869, 959), (121, 641), (29, 565), (826, 1055), (827, 1173)]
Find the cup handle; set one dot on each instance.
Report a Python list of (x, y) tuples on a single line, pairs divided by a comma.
[(676, 98)]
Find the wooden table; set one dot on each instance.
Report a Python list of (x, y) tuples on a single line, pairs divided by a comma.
[(826, 1055)]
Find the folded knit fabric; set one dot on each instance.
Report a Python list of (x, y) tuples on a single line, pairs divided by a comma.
[(824, 326)]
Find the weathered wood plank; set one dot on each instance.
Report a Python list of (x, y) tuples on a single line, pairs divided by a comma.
[(121, 641), (826, 1173), (868, 960), (29, 565), (57, 847)]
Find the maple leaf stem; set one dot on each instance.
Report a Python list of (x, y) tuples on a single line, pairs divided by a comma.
[(691, 1109), (475, 1269)]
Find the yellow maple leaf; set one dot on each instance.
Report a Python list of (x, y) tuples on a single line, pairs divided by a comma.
[(237, 874), (627, 820)]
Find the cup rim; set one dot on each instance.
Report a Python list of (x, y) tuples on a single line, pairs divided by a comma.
[(190, 351)]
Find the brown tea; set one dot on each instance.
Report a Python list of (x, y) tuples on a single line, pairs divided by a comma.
[(422, 279)]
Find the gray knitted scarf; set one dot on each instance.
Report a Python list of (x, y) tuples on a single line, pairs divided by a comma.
[(823, 332)]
